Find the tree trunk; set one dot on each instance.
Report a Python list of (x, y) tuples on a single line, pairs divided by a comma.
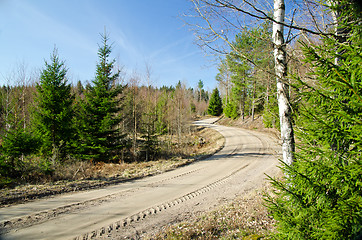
[(243, 103), (179, 130), (267, 93), (340, 32), (286, 127), (253, 103), (23, 105), (134, 124), (227, 83)]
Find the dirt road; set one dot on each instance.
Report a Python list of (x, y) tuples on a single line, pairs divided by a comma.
[(128, 209)]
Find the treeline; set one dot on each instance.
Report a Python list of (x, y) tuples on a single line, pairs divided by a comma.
[(48, 121)]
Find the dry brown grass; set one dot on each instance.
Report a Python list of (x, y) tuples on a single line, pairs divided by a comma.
[(109, 171), (245, 218), (200, 143)]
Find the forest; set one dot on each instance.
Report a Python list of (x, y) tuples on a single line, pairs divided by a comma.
[(308, 86), (46, 122)]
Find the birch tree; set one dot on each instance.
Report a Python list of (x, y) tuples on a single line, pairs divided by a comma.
[(286, 127)]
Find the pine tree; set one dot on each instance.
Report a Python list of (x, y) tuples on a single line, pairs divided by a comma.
[(321, 197), (200, 86), (53, 112), (99, 135), (215, 104)]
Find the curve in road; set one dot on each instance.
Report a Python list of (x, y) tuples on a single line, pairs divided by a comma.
[(91, 214)]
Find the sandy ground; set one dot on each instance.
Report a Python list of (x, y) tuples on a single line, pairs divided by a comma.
[(129, 210)]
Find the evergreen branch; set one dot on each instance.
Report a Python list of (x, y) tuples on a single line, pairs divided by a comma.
[(350, 87)]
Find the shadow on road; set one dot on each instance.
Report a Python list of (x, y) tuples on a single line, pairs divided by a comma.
[(246, 156)]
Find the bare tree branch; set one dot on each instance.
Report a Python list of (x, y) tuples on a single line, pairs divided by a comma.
[(264, 16), (225, 39)]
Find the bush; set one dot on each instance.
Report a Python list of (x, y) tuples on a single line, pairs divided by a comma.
[(16, 145)]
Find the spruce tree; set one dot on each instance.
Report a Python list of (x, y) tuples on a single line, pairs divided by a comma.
[(53, 111), (98, 120), (231, 110), (321, 195), (215, 104), (16, 144)]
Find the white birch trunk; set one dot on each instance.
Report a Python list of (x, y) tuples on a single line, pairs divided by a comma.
[(286, 127), (340, 32)]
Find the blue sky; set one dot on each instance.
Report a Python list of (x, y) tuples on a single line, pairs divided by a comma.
[(141, 31)]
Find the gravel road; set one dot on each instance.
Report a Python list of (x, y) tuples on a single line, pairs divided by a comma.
[(128, 210)]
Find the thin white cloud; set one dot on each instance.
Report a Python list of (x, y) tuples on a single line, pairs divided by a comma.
[(169, 61), (43, 24), (168, 47), (128, 50)]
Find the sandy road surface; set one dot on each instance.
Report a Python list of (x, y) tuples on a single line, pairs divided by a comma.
[(138, 206)]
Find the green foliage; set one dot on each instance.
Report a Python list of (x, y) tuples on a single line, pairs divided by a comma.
[(89, 125), (215, 104), (247, 68), (231, 110), (201, 95), (200, 84), (271, 114), (6, 171), (45, 167), (192, 107), (16, 144), (321, 195), (161, 113), (270, 120), (53, 113), (99, 112), (149, 144)]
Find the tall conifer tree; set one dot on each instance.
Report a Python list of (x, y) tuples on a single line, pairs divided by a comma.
[(215, 104), (99, 134), (53, 112)]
